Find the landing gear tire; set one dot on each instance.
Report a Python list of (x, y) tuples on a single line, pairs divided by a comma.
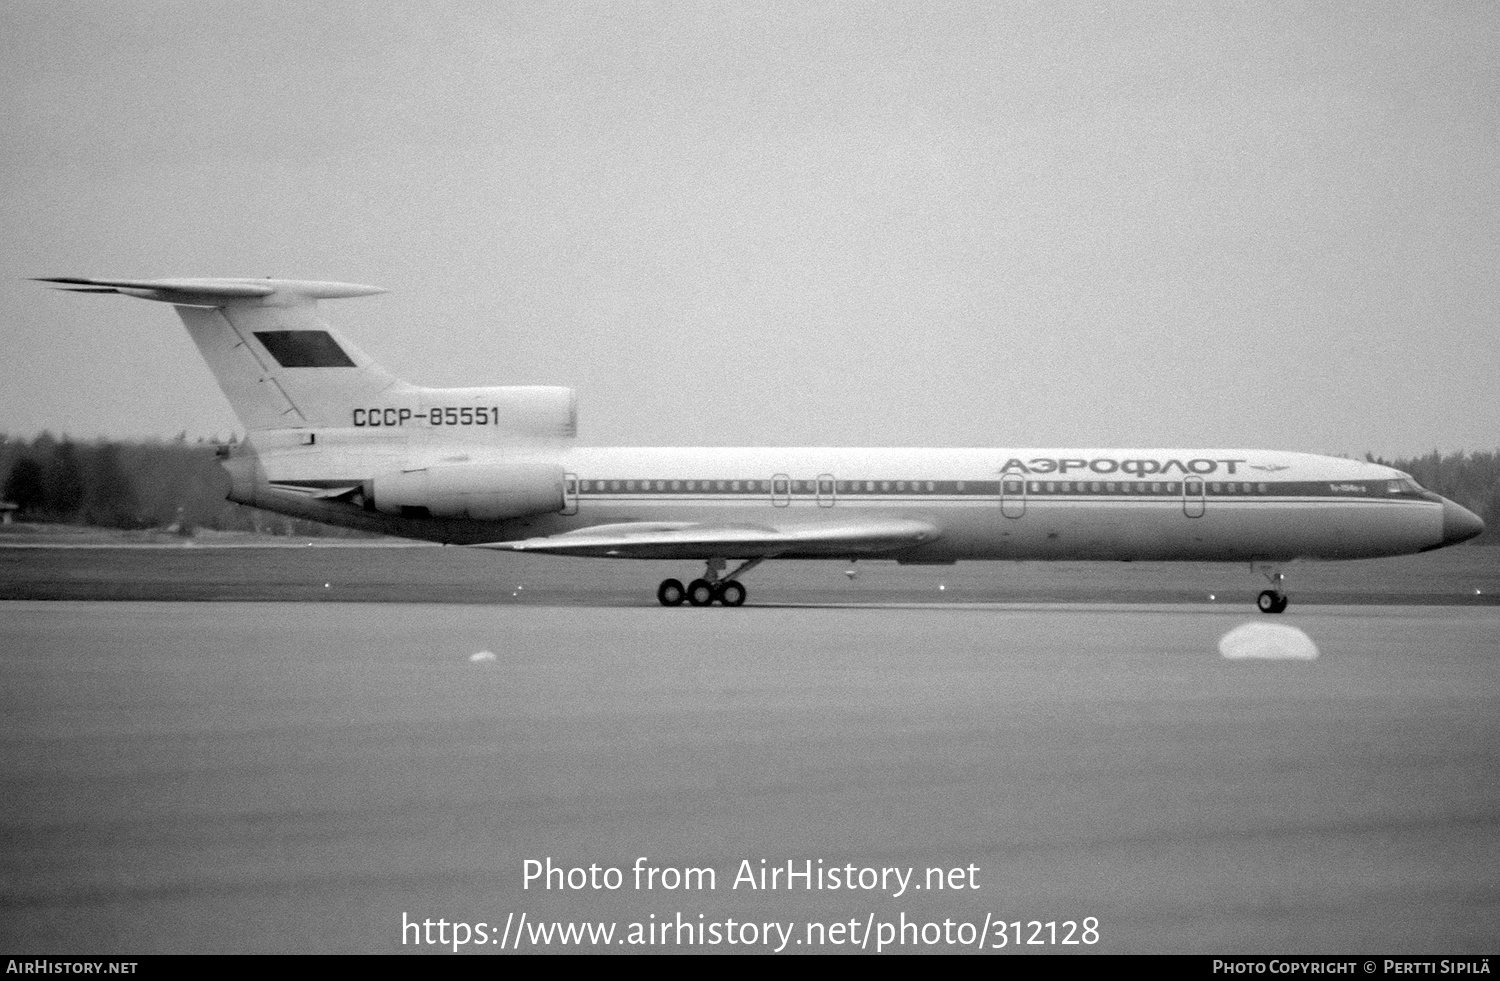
[(700, 592), (670, 592), (1271, 602), (731, 593)]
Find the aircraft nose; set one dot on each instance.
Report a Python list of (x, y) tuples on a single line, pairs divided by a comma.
[(1459, 523)]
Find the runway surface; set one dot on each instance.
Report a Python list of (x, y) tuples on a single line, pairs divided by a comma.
[(52, 567), (298, 776)]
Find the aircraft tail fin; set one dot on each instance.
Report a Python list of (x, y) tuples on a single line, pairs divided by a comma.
[(283, 367), (280, 364)]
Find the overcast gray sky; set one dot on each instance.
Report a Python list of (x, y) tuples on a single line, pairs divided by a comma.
[(968, 224)]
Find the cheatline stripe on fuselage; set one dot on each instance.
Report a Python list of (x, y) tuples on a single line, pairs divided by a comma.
[(759, 489), (1122, 501), (716, 491), (1019, 505)]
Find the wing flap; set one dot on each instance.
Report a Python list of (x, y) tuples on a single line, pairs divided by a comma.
[(671, 540), (316, 489)]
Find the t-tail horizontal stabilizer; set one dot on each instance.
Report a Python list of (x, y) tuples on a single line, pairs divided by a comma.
[(215, 292)]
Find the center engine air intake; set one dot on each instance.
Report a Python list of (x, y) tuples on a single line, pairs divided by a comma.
[(477, 491)]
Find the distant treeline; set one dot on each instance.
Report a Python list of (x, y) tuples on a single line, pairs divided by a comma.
[(179, 484), (174, 484)]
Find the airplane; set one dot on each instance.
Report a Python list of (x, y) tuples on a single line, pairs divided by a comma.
[(335, 438)]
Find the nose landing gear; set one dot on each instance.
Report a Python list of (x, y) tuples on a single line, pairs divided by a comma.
[(710, 589), (1270, 602), (1273, 600)]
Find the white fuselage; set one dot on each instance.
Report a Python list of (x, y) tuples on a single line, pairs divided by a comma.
[(1107, 504)]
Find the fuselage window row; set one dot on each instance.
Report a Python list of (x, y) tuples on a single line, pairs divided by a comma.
[(981, 488)]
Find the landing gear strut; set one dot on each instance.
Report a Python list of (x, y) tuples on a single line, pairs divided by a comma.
[(710, 589), (1273, 600)]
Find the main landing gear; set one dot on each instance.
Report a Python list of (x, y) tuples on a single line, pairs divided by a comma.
[(1273, 600), (710, 589)]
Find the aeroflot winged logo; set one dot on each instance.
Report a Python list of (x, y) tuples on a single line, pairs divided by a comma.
[(1270, 467), (1106, 464)]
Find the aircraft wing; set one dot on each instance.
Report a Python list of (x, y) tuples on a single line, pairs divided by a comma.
[(690, 540)]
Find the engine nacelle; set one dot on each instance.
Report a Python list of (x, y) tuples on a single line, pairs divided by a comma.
[(477, 491)]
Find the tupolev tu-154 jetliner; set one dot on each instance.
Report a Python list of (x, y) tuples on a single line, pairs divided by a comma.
[(333, 437)]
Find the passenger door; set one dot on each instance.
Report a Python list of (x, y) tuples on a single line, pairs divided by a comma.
[(1012, 495), (1193, 498)]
